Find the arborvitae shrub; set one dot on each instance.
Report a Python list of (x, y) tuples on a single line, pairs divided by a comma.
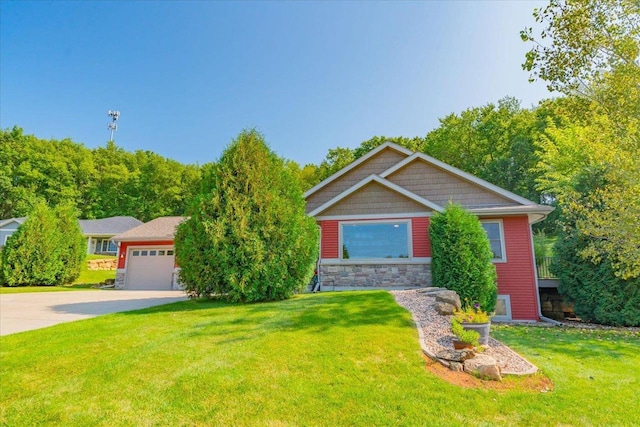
[(461, 257), (248, 237), (47, 249), (598, 295)]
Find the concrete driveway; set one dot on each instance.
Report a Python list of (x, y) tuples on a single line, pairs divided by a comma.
[(24, 312)]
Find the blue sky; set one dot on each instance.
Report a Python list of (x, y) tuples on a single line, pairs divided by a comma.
[(187, 77)]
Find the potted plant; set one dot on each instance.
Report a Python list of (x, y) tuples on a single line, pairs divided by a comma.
[(465, 338), (474, 319)]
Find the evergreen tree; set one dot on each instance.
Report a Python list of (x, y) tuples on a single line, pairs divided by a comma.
[(248, 237), (461, 257)]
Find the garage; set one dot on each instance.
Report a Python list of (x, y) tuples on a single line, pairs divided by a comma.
[(150, 268), (146, 256)]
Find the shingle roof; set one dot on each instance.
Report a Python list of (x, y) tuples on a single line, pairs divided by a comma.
[(4, 222), (162, 228), (108, 226)]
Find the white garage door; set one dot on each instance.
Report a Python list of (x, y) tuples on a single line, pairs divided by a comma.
[(150, 268)]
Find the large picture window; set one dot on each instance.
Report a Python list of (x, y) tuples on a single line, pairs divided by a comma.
[(496, 238), (375, 240)]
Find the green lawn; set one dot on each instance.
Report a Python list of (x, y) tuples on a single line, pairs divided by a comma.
[(322, 359)]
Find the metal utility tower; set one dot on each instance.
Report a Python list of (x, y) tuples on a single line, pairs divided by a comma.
[(113, 125)]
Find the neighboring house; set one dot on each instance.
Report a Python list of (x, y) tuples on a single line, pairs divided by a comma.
[(100, 231), (146, 257), (8, 227), (97, 231), (374, 222)]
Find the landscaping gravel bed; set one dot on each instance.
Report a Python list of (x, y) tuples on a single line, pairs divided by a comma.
[(435, 333)]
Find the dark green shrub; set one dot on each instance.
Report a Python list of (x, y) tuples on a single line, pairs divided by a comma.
[(248, 237), (598, 295), (73, 244), (47, 249), (461, 257)]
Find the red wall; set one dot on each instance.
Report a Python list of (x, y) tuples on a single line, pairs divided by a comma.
[(122, 252), (516, 277)]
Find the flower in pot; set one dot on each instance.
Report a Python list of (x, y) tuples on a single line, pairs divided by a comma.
[(465, 338), (471, 317)]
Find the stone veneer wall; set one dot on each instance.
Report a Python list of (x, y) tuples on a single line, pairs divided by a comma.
[(119, 283), (375, 275)]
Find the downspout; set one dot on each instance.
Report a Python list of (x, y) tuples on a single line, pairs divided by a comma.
[(535, 272)]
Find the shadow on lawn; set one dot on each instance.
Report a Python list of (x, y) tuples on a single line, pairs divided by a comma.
[(313, 313)]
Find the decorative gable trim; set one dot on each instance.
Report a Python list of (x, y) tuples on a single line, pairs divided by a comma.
[(357, 163), (381, 181), (460, 173)]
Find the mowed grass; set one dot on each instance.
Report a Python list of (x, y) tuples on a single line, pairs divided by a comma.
[(322, 359)]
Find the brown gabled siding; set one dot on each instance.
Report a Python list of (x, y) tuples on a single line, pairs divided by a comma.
[(375, 165), (374, 198), (439, 186)]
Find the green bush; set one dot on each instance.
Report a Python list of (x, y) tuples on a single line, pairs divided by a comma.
[(461, 257), (248, 237), (464, 335), (598, 295), (47, 249)]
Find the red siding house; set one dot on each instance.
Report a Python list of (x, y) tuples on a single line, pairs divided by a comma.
[(374, 222)]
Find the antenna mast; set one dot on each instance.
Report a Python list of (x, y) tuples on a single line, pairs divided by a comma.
[(113, 125)]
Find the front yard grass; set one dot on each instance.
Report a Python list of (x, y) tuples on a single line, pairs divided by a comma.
[(323, 359)]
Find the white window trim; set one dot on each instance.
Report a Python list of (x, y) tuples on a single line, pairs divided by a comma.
[(502, 245), (507, 303), (377, 260)]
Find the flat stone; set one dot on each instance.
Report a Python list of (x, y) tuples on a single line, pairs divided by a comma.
[(456, 366), (444, 308), (450, 297), (430, 289), (456, 355)]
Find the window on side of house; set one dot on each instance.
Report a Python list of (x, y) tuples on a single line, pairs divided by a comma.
[(495, 234), (375, 240)]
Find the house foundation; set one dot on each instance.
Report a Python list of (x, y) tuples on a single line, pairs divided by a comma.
[(378, 276)]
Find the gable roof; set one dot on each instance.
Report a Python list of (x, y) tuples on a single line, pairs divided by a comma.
[(381, 181), (516, 204), (108, 226), (356, 163), (163, 228), (461, 174), (19, 221)]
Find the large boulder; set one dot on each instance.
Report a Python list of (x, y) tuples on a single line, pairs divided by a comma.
[(450, 297), (444, 308), (483, 366)]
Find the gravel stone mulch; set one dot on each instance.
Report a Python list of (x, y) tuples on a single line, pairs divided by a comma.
[(435, 333)]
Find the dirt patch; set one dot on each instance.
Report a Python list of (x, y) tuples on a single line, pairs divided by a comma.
[(535, 383)]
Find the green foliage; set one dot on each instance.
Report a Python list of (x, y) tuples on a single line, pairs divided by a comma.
[(73, 244), (102, 182), (248, 238), (471, 314), (464, 335), (589, 158), (47, 249), (598, 294), (461, 257)]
